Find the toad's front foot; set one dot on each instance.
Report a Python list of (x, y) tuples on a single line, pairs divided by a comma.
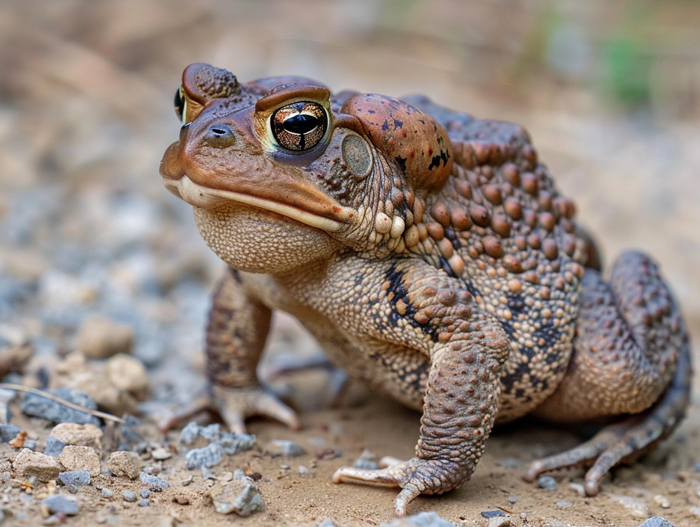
[(415, 476), (235, 405)]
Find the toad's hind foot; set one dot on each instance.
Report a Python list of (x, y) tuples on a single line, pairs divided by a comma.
[(627, 440), (415, 476)]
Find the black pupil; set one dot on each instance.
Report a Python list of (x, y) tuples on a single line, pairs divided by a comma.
[(300, 124), (179, 103)]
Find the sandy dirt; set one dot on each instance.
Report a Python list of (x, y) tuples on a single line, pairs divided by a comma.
[(87, 229)]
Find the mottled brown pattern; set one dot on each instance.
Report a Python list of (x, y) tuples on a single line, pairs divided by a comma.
[(432, 256)]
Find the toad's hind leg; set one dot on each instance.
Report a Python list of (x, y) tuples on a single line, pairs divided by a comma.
[(631, 358)]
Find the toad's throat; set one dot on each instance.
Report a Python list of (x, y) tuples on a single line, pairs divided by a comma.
[(211, 198)]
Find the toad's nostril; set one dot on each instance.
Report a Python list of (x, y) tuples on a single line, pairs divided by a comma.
[(220, 135)]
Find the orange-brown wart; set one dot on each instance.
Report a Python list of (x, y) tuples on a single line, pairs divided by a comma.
[(432, 256)]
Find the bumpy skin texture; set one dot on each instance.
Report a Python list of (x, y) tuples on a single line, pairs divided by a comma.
[(432, 256)]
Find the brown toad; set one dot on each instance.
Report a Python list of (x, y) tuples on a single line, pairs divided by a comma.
[(431, 256)]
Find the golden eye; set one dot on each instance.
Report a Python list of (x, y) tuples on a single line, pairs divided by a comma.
[(299, 126), (180, 104)]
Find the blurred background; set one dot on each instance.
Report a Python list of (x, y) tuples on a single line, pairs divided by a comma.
[(610, 92)]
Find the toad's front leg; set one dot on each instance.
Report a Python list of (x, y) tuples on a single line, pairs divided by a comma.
[(236, 333), (427, 311)]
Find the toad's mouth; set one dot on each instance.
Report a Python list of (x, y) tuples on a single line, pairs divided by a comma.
[(211, 198)]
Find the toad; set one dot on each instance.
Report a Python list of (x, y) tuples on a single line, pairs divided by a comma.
[(432, 256)]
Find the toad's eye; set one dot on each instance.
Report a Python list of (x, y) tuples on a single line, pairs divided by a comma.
[(299, 126), (180, 105)]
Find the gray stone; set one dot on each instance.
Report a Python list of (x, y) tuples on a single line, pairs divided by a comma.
[(75, 477), (56, 412), (153, 482), (492, 514), (30, 444), (423, 519), (547, 483), (8, 432), (145, 493), (284, 447), (563, 504), (107, 493), (656, 521), (61, 504), (129, 495), (240, 496), (366, 464), (143, 503), (327, 523), (189, 433), (54, 446), (211, 432), (233, 443), (209, 456)]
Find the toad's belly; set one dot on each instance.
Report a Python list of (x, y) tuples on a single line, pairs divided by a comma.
[(529, 376)]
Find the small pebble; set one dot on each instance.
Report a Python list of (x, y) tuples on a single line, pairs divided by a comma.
[(154, 482), (61, 504), (512, 499), (30, 444), (80, 458), (54, 446), (636, 506), (656, 521), (101, 338), (240, 496), (492, 514), (285, 447), (510, 462), (38, 406), (366, 461), (547, 483), (78, 435), (578, 489), (143, 503), (145, 493), (329, 453), (209, 456), (72, 488), (499, 521), (75, 477), (189, 433), (8, 432), (303, 470), (129, 495), (187, 481), (662, 501), (211, 432), (327, 523), (28, 463), (234, 443), (562, 504), (318, 442), (423, 519), (123, 463), (107, 493), (161, 454)]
